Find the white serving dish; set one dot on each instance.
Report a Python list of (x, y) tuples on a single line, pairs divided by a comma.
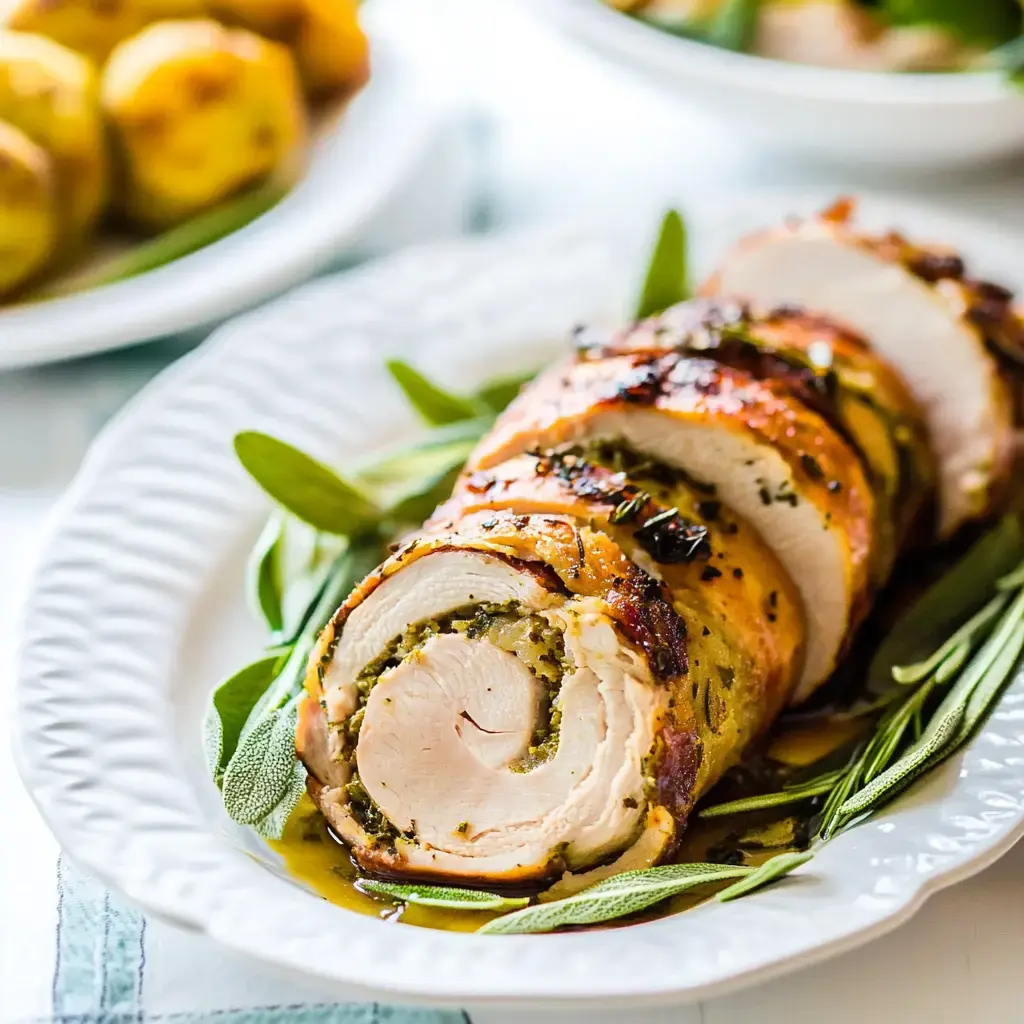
[(386, 142), (137, 611), (925, 121)]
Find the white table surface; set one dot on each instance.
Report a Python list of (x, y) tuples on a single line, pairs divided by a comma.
[(568, 136)]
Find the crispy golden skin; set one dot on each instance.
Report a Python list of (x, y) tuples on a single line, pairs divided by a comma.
[(94, 28), (744, 620), (52, 95), (28, 208), (827, 368), (201, 112), (331, 49)]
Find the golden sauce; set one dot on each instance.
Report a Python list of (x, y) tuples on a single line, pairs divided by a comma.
[(313, 855)]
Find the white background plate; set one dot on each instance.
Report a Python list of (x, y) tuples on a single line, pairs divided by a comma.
[(379, 144), (137, 611)]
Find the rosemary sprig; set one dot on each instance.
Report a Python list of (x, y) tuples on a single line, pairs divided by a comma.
[(915, 730)]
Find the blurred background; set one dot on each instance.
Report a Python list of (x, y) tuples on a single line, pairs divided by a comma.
[(482, 116)]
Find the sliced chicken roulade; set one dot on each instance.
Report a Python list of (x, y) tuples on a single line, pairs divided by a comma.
[(917, 309), (830, 370), (746, 442), (743, 616), (504, 698)]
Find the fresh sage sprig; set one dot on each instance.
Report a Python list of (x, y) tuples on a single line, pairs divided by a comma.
[(436, 405), (634, 891), (443, 896), (305, 487), (249, 725), (665, 282), (768, 872)]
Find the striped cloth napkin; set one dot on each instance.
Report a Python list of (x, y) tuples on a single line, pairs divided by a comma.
[(112, 966)]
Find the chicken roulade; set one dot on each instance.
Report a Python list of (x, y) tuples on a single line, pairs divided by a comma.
[(511, 694)]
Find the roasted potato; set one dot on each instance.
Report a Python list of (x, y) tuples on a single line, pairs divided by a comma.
[(28, 207), (200, 111), (52, 95), (325, 36), (95, 27)]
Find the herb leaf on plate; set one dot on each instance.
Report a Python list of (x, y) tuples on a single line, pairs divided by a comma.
[(262, 584), (258, 774), (443, 896), (618, 896), (305, 487), (771, 870), (229, 708), (437, 406), (665, 283)]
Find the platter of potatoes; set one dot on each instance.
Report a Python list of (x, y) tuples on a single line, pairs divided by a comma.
[(134, 133)]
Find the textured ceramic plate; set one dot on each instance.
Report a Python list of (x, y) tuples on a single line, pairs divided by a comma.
[(137, 610), (355, 170)]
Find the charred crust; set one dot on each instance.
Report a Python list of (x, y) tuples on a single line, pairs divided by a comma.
[(648, 619), (678, 762)]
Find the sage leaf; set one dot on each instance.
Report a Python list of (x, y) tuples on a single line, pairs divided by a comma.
[(771, 870), (432, 402), (733, 24), (229, 707), (305, 573), (305, 487), (443, 896), (955, 597), (792, 795), (618, 896), (426, 496), (498, 394), (262, 585), (666, 281), (272, 825), (351, 567), (257, 777)]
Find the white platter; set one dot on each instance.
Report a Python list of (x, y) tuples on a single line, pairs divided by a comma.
[(379, 145), (137, 610)]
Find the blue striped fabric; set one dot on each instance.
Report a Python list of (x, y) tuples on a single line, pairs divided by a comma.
[(100, 971)]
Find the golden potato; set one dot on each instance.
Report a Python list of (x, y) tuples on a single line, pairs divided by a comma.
[(52, 95), (331, 49), (200, 111), (95, 27), (28, 207)]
